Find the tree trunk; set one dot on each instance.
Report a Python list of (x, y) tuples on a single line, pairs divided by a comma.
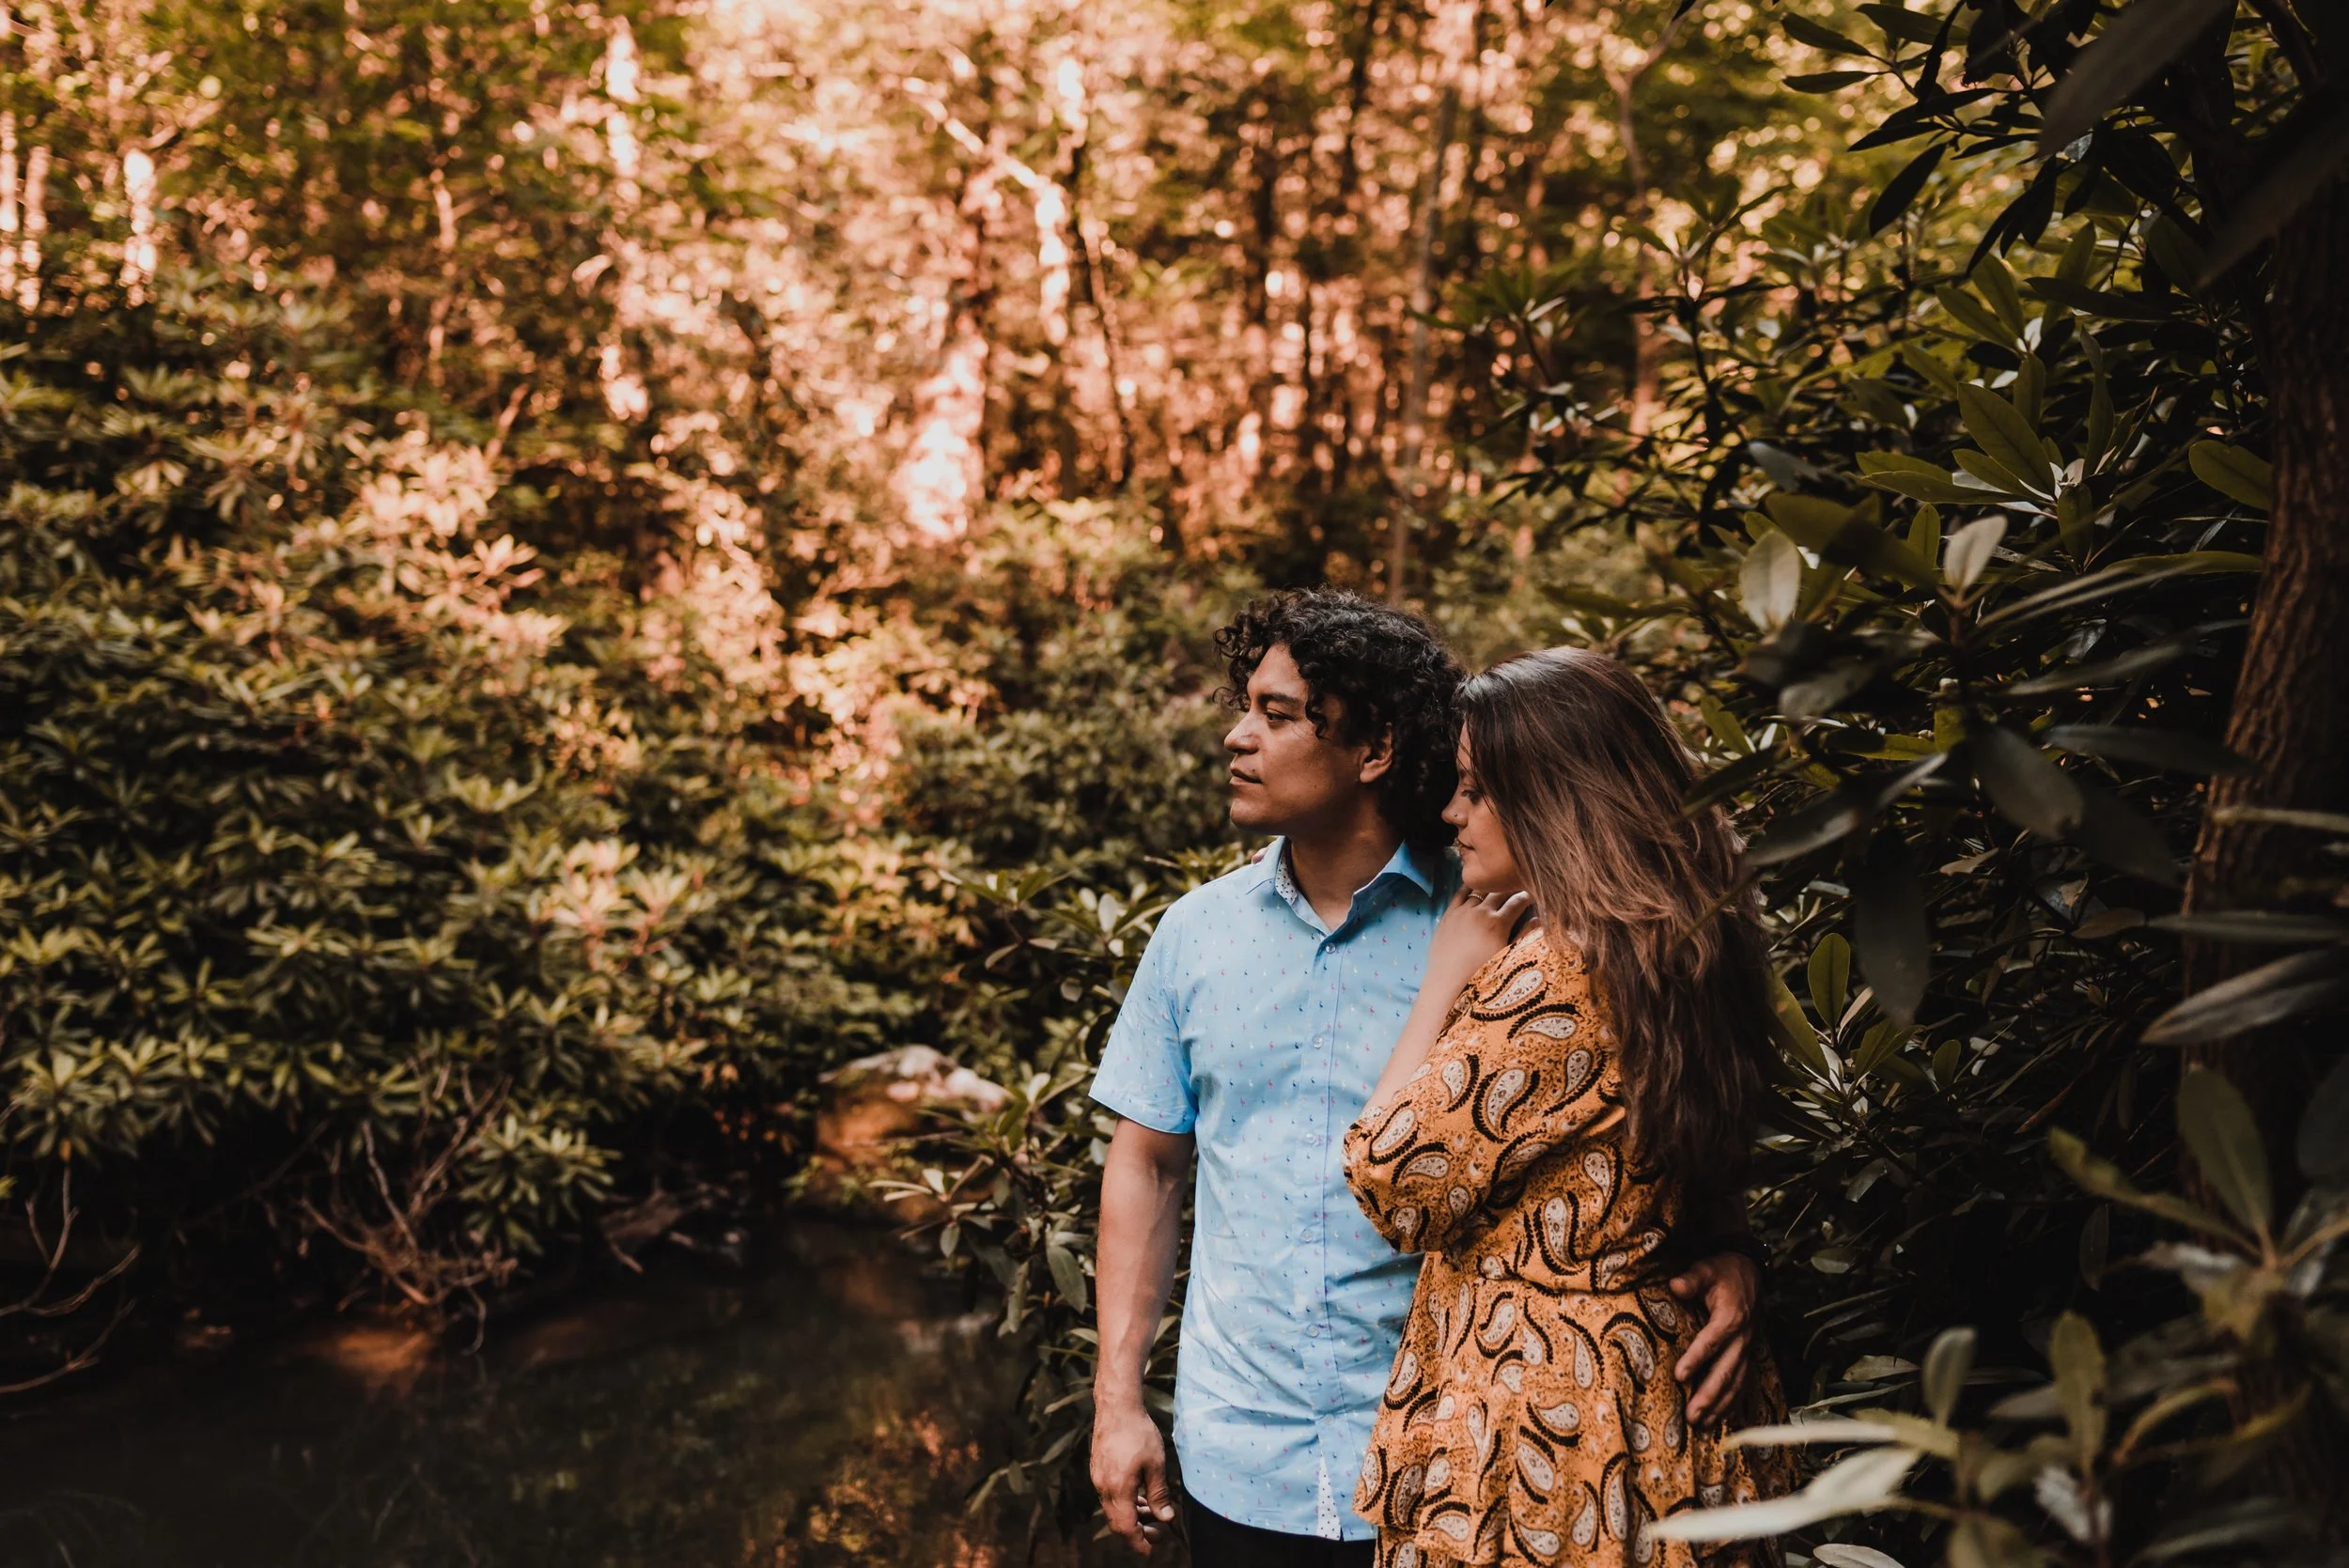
[(2291, 721), (1412, 483)]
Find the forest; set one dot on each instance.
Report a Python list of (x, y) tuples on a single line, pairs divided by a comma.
[(572, 566)]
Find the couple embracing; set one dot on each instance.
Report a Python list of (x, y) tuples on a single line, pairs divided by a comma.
[(1470, 1281)]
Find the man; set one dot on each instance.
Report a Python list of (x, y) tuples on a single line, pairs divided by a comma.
[(1258, 1020)]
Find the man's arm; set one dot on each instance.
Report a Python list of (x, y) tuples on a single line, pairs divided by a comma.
[(1718, 1361), (1142, 1219)]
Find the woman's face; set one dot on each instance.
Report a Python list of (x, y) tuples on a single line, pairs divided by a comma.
[(1485, 865)]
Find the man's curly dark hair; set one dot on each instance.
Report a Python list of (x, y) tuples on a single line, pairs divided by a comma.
[(1387, 670)]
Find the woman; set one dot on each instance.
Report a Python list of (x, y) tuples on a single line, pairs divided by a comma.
[(1579, 1078)]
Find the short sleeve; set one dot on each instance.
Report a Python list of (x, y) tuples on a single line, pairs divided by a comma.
[(1145, 1067)]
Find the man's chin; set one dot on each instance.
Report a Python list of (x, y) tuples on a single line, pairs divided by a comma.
[(1250, 817)]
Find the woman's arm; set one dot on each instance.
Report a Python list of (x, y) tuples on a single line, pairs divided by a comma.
[(1471, 931), (1488, 1102)]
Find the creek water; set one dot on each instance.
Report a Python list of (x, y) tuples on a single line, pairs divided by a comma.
[(834, 1409)]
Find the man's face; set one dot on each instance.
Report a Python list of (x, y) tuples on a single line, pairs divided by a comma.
[(1285, 776)]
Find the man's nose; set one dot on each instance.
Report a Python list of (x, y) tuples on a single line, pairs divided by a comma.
[(1239, 737)]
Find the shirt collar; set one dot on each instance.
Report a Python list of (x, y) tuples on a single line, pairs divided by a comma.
[(1420, 868)]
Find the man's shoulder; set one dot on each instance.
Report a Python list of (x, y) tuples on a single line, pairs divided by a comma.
[(1219, 898)]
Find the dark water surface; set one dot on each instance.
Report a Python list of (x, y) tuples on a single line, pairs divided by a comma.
[(835, 1410)]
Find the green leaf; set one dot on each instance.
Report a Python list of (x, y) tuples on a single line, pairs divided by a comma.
[(2130, 51), (1997, 282), (2025, 786), (1901, 189), (2290, 987), (1902, 24), (1725, 725), (2104, 1179), (2107, 304), (2238, 474), (2286, 187), (1069, 1275), (1914, 478), (2256, 926), (1970, 549), (2322, 1148), (1841, 535), (1837, 1555), (1819, 35), (1947, 1363), (1966, 313), (1770, 580), (1890, 927), (1831, 978), (2173, 749), (2002, 432), (2080, 1375), (2216, 1123), (1827, 81), (2123, 837)]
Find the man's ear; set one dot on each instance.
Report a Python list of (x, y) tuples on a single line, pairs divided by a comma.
[(1378, 757)]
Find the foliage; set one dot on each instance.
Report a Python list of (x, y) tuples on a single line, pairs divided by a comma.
[(1952, 498), (2105, 1487), (358, 878)]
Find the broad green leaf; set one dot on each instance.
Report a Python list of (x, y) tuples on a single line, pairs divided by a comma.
[(2129, 52), (2002, 432), (2108, 305), (2217, 1123), (1969, 312), (2287, 185), (2026, 787), (1843, 535), (1831, 978), (2080, 1377), (1818, 35), (1890, 930), (2257, 926), (1900, 192), (2175, 749), (2123, 837), (2322, 1147), (1725, 725), (1970, 549), (1950, 1357), (1069, 1275), (2105, 1180), (1901, 24), (1855, 1485), (1770, 580), (2238, 474), (1997, 283), (1835, 1554), (2290, 987), (1827, 81), (1913, 477), (1924, 534)]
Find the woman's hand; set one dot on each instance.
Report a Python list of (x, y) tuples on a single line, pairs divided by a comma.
[(1471, 931)]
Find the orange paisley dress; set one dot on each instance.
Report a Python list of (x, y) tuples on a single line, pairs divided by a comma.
[(1533, 1416)]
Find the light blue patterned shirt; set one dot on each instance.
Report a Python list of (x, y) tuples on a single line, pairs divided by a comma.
[(1259, 1029)]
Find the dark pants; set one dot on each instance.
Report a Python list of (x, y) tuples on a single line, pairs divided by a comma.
[(1218, 1542)]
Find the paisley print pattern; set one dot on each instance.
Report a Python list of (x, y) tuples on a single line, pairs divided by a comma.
[(1533, 1416)]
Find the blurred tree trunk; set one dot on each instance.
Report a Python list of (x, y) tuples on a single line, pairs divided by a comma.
[(2291, 721)]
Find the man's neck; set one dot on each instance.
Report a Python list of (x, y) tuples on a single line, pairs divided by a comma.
[(1332, 863)]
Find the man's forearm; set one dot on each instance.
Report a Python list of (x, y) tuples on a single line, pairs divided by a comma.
[(1142, 1216)]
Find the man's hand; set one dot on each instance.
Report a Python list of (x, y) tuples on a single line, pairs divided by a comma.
[(1718, 1361), (1129, 1472)]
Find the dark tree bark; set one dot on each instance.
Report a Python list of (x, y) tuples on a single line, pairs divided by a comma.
[(2291, 721)]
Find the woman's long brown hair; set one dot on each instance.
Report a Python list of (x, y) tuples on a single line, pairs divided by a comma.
[(1587, 775)]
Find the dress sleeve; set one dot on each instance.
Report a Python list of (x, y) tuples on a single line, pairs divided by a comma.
[(1516, 1073)]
